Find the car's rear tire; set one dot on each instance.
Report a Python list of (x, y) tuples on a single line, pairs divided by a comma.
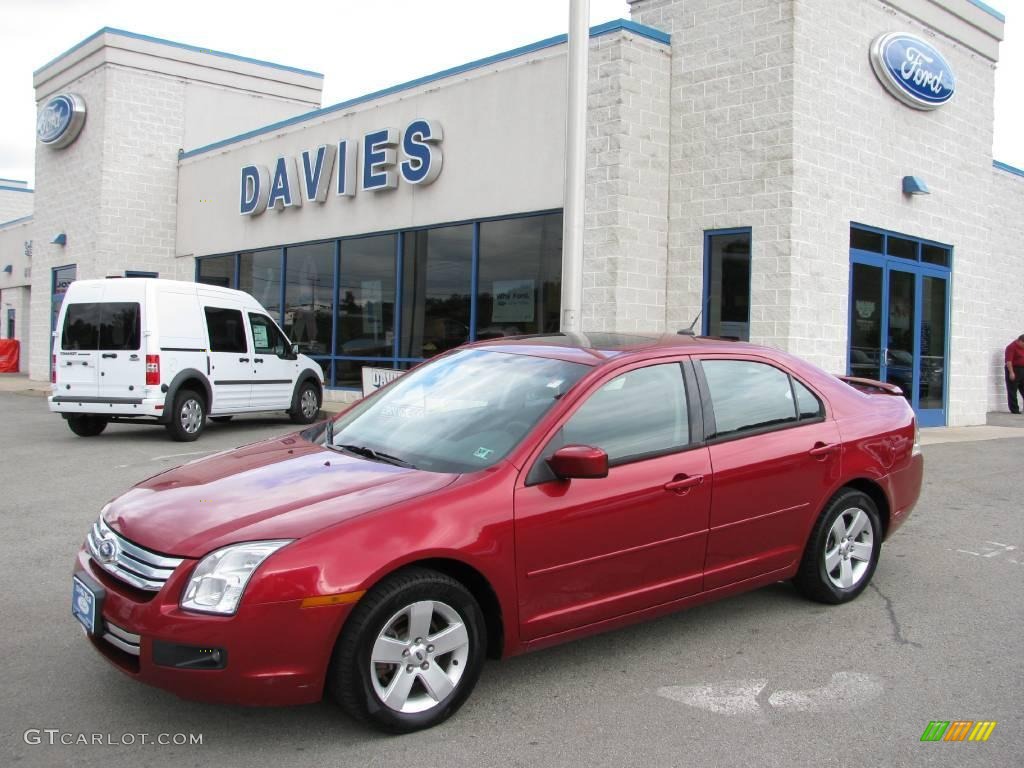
[(87, 426), (188, 416), (221, 419), (843, 549), (307, 404), (410, 653)]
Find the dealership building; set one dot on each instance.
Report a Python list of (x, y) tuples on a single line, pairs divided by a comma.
[(814, 175)]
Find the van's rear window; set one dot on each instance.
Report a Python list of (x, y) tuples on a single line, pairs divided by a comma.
[(108, 326)]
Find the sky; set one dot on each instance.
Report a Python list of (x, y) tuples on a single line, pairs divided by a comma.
[(359, 46)]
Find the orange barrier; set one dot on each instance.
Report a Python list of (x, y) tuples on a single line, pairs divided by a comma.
[(10, 351)]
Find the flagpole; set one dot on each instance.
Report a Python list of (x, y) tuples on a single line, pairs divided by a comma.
[(575, 166)]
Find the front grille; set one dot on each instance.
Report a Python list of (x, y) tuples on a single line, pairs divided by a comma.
[(121, 638), (131, 563)]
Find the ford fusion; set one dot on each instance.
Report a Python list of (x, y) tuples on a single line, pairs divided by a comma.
[(506, 496)]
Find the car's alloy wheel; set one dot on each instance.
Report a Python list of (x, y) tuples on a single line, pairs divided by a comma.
[(410, 653), (419, 656), (842, 552)]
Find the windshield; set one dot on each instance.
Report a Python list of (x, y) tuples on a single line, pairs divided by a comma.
[(462, 413)]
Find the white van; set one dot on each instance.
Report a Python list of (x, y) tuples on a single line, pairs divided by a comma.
[(144, 350)]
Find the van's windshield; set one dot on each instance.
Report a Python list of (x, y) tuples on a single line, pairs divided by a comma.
[(101, 325)]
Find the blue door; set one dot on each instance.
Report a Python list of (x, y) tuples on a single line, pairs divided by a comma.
[(899, 329)]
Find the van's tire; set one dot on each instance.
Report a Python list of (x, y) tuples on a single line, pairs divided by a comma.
[(87, 426), (221, 419), (306, 405), (188, 416)]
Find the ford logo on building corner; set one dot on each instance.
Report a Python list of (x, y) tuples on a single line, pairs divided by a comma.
[(60, 120), (912, 70)]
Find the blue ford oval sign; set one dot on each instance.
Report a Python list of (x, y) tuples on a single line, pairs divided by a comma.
[(60, 120), (912, 70)]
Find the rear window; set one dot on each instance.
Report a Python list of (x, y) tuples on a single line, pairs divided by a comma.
[(110, 326)]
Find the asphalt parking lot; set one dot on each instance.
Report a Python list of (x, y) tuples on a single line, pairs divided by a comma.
[(764, 679)]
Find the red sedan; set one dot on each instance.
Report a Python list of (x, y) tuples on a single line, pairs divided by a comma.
[(504, 497)]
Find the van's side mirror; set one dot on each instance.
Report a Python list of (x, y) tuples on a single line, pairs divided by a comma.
[(579, 461), (294, 352)]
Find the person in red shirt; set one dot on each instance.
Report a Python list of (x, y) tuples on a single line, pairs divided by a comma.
[(1015, 372)]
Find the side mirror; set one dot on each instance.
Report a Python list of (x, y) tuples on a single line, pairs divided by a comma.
[(293, 352), (579, 461)]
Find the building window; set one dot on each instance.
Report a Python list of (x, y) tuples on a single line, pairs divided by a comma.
[(366, 298), (259, 275), (403, 298), (309, 297), (727, 284), (520, 276), (217, 270), (436, 290)]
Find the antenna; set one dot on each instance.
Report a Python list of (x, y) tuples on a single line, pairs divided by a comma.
[(689, 331)]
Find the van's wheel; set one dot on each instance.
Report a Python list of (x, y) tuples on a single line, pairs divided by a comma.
[(221, 419), (87, 426), (842, 552), (188, 416), (410, 653), (306, 405)]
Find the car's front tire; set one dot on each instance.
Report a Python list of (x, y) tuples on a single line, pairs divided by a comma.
[(842, 552), (87, 426), (188, 416), (410, 653)]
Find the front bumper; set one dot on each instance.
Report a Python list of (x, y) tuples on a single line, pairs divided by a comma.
[(276, 654), (69, 405)]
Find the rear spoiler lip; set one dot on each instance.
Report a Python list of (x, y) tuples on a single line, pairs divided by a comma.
[(882, 387)]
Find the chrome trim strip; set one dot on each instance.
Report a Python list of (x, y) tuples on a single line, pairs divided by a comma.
[(118, 643), (137, 566), (124, 634)]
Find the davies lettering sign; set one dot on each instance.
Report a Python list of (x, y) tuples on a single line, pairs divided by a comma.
[(912, 70), (310, 177)]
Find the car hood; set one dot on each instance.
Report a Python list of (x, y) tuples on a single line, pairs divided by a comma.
[(284, 488)]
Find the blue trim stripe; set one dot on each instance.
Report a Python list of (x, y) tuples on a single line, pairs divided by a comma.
[(988, 9), (14, 181), (1008, 168), (15, 189), (16, 221), (550, 42), (183, 46)]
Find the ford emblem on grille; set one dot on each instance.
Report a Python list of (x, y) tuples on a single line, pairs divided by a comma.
[(106, 549)]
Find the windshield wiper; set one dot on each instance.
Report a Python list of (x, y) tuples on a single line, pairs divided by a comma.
[(370, 453)]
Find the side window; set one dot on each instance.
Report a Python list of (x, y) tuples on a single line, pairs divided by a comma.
[(266, 338), (748, 395), (807, 403), (227, 332), (640, 412)]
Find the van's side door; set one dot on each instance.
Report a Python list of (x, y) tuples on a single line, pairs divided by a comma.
[(273, 363), (230, 359)]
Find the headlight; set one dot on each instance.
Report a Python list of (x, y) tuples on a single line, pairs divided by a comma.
[(219, 580)]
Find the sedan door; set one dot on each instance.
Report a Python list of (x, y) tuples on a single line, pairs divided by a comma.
[(776, 456), (590, 550)]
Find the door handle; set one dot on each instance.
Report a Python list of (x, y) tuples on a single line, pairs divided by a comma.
[(821, 449), (243, 359), (257, 359), (683, 483), (108, 355)]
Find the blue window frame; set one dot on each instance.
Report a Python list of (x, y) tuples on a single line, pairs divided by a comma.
[(899, 316), (341, 370), (725, 308)]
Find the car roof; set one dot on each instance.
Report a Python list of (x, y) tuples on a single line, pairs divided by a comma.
[(600, 347)]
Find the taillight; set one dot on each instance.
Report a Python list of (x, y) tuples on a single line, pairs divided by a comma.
[(152, 370), (53, 371)]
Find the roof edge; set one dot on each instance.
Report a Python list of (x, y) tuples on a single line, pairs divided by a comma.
[(19, 220), (988, 9), (173, 44), (15, 189), (601, 29), (1000, 165)]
